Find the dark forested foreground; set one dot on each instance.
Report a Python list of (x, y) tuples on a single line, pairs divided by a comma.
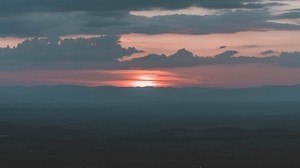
[(148, 134)]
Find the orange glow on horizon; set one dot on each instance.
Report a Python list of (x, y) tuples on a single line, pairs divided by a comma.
[(146, 78), (144, 84), (249, 75), (145, 81)]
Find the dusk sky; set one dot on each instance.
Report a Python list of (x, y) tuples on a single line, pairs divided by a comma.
[(138, 43)]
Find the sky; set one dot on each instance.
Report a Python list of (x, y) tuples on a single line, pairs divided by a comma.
[(129, 43)]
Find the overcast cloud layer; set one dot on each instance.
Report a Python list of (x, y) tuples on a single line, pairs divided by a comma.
[(62, 17), (19, 6)]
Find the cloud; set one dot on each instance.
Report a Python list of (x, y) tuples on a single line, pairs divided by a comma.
[(226, 55), (104, 52), (184, 58), (289, 59), (19, 6), (43, 52), (229, 22), (268, 52), (181, 58), (54, 18), (290, 15)]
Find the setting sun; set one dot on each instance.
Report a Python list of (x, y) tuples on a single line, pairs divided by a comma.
[(145, 81)]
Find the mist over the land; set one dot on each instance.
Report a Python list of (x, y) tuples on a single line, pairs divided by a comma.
[(81, 95)]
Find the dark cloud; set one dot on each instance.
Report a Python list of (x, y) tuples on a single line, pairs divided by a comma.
[(62, 17), (57, 24), (229, 22), (105, 52), (268, 52), (105, 49), (42, 24), (225, 55), (290, 59), (180, 58), (290, 15), (184, 58), (20, 6), (294, 10)]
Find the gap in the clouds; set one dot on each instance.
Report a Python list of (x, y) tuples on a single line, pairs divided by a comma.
[(286, 21), (11, 41), (14, 41), (187, 11), (77, 36), (287, 7)]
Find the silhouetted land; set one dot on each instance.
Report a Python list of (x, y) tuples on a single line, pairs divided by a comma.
[(106, 127)]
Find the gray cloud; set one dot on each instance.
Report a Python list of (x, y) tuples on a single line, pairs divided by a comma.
[(42, 24), (57, 24), (290, 59), (180, 58), (294, 10), (19, 6), (229, 22), (62, 17), (52, 51), (268, 52), (105, 52), (185, 58), (290, 15)]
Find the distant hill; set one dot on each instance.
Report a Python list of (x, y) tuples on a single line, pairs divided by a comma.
[(115, 95)]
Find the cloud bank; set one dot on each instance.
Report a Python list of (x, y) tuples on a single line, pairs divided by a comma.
[(105, 52), (63, 17)]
